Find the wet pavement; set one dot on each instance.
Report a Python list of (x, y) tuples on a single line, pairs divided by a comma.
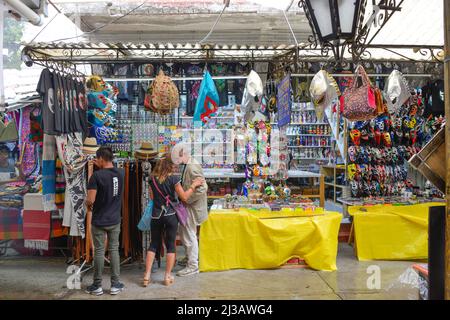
[(46, 278)]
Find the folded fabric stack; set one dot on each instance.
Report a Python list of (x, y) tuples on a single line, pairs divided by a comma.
[(10, 224), (36, 229)]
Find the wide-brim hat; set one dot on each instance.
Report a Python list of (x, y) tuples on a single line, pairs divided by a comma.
[(90, 146), (323, 89), (146, 151)]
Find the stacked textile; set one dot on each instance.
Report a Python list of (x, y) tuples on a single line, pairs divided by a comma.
[(36, 229)]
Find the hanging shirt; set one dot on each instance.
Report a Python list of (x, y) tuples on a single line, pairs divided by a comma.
[(433, 94), (59, 123), (75, 106), (81, 93), (46, 91), (66, 106)]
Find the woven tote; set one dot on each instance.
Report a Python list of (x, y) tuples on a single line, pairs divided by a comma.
[(359, 102), (164, 94)]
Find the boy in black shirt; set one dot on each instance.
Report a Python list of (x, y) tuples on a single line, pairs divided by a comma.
[(104, 198)]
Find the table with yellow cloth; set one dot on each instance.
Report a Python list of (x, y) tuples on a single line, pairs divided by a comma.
[(247, 239), (390, 232)]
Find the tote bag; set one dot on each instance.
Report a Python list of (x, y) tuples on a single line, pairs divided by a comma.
[(146, 219)]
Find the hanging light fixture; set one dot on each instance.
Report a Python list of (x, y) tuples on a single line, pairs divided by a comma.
[(338, 26), (334, 19)]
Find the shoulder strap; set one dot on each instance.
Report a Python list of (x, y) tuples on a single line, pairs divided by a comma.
[(160, 192)]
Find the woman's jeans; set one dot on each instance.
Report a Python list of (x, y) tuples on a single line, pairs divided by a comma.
[(98, 235)]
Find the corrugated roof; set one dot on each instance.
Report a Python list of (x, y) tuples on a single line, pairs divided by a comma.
[(90, 51)]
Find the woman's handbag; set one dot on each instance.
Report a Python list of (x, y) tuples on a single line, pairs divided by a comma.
[(381, 106), (179, 207), (359, 102), (146, 219)]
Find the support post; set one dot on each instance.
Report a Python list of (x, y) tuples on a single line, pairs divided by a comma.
[(447, 143)]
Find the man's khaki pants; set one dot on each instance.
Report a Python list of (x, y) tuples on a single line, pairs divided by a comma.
[(188, 235)]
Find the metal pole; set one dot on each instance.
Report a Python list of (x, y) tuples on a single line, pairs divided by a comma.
[(447, 143), (173, 79), (337, 75), (2, 85)]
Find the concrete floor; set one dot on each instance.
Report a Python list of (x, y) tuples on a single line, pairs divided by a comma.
[(45, 278)]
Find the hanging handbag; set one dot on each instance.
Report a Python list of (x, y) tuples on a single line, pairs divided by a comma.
[(164, 94), (359, 102), (179, 207), (381, 106), (146, 219), (8, 132)]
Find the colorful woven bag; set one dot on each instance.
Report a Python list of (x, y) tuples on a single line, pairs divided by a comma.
[(359, 102), (164, 94)]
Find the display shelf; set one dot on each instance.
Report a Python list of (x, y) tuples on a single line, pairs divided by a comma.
[(318, 159), (229, 173), (213, 118), (309, 124), (331, 171), (212, 142), (308, 135), (294, 147)]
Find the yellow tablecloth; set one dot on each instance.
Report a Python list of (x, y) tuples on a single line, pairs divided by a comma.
[(248, 240), (386, 232)]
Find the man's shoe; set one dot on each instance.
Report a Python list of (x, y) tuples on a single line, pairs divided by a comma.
[(187, 272), (95, 290), (116, 288), (183, 262)]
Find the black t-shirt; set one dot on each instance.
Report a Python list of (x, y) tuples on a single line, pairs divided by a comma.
[(75, 106), (59, 86), (81, 92), (68, 104), (65, 104), (108, 201), (46, 91), (168, 189), (59, 114), (433, 96)]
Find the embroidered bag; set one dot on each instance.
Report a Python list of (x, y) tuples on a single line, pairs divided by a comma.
[(359, 102), (164, 94)]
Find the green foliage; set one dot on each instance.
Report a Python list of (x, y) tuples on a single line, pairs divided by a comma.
[(12, 35)]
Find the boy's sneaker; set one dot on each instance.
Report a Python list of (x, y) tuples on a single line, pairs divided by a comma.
[(116, 288), (95, 290)]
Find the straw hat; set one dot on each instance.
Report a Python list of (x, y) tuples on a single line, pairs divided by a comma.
[(323, 90), (146, 151), (90, 146)]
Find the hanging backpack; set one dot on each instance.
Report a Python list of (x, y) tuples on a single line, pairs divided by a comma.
[(164, 94)]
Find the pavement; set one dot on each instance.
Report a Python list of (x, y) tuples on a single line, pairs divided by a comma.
[(46, 278)]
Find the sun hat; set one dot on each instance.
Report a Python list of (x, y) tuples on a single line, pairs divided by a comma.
[(90, 146), (146, 151), (323, 90)]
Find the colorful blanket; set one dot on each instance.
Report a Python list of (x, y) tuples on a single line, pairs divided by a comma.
[(49, 173), (36, 229), (10, 224), (60, 185)]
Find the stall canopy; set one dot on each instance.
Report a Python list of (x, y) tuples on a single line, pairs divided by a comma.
[(247, 30)]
